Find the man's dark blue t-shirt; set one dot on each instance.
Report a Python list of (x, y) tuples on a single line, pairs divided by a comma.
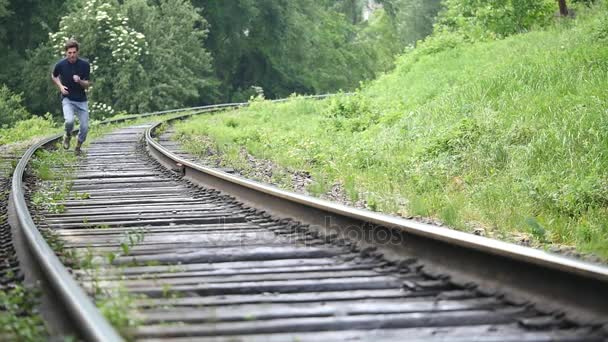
[(66, 70)]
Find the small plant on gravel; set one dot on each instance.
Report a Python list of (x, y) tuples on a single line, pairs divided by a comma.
[(94, 273), (87, 259), (53, 165), (49, 196), (131, 239), (19, 319), (111, 256), (55, 169), (125, 248), (161, 129), (166, 290), (81, 196), (54, 241), (119, 307)]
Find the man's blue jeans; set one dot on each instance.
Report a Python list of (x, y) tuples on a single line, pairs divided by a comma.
[(82, 110)]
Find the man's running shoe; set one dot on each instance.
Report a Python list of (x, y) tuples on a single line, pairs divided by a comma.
[(66, 141), (77, 149)]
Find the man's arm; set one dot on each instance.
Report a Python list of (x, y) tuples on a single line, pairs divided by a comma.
[(63, 89), (83, 83), (84, 80)]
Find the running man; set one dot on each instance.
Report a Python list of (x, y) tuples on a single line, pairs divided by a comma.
[(71, 75)]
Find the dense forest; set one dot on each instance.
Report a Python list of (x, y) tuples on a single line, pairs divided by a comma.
[(152, 55)]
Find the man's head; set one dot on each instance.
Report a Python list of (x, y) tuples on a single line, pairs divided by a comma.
[(71, 50)]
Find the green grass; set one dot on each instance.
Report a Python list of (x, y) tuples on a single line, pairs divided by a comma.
[(510, 134), (28, 129), (54, 170)]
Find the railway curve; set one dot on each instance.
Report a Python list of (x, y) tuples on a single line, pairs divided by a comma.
[(175, 251)]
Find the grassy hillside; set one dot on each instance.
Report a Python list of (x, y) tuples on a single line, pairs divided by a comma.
[(508, 137)]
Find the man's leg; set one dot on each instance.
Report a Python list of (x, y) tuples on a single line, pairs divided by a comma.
[(83, 117), (68, 116)]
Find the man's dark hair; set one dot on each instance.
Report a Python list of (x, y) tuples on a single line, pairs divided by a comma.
[(72, 43)]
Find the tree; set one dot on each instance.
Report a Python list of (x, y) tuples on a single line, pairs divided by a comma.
[(301, 46), (4, 13), (352, 9), (11, 107), (24, 25), (563, 8), (413, 19), (178, 68)]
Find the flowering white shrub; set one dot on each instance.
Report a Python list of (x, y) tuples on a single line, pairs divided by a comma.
[(100, 22), (144, 55), (107, 40), (101, 110)]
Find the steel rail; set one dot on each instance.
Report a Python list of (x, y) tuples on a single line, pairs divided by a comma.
[(198, 109), (532, 274), (92, 324)]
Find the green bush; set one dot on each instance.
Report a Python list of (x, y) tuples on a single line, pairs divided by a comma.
[(350, 114), (11, 109), (599, 29), (458, 138), (26, 129), (482, 19)]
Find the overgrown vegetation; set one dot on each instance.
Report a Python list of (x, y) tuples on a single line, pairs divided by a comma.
[(54, 170), (120, 309), (27, 129), (504, 131), (116, 303), (11, 107), (19, 318)]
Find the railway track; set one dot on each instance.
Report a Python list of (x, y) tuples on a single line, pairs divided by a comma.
[(9, 267), (169, 257), (10, 273), (19, 318)]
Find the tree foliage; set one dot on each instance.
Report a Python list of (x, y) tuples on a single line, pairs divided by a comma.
[(479, 19), (294, 46), (267, 44), (11, 107), (24, 24), (350, 8), (413, 19), (149, 55)]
